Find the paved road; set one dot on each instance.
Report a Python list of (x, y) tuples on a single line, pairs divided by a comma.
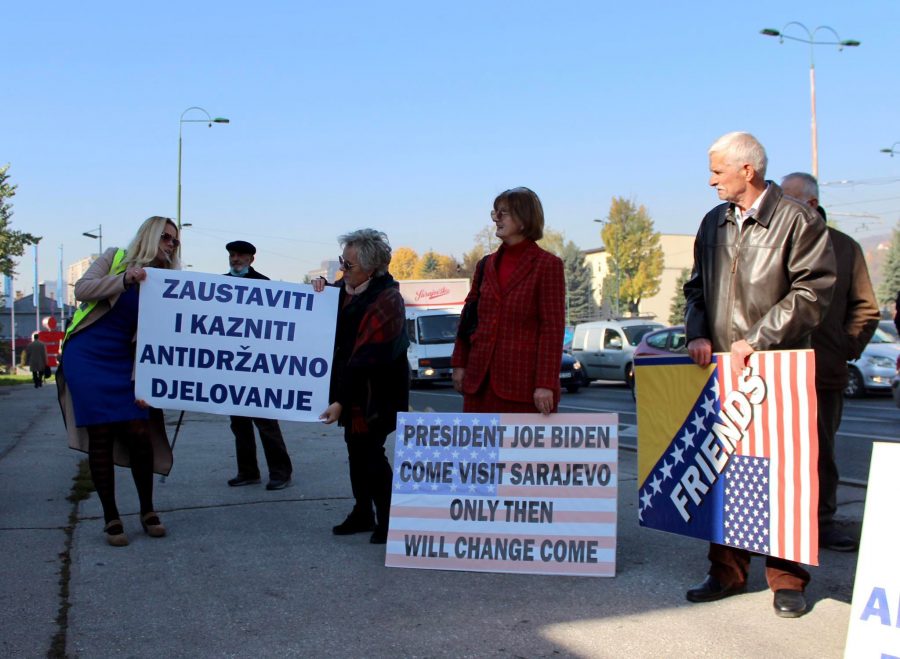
[(870, 419), (250, 573)]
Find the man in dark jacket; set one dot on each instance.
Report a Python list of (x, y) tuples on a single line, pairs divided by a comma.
[(35, 356), (849, 324), (241, 255), (762, 279)]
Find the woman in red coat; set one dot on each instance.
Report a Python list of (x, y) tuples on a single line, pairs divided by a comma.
[(511, 361)]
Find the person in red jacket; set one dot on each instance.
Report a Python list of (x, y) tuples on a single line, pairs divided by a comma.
[(510, 362)]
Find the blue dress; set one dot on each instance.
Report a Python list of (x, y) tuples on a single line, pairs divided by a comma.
[(98, 363)]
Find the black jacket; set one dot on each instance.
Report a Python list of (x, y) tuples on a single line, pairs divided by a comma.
[(251, 274), (851, 319), (770, 284)]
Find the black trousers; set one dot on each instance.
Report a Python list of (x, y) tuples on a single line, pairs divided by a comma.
[(370, 476), (38, 378), (277, 458), (830, 408)]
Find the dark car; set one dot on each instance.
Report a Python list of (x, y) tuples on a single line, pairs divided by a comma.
[(571, 375), (668, 341)]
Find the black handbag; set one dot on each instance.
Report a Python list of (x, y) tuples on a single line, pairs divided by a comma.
[(47, 371), (468, 319)]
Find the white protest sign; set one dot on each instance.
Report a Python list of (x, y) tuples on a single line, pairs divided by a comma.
[(520, 493), (229, 345), (875, 611)]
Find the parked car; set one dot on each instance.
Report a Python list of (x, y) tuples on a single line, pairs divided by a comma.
[(571, 375), (889, 327), (875, 368), (895, 384), (605, 348), (668, 341)]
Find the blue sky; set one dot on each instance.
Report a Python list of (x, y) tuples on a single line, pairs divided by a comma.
[(411, 116)]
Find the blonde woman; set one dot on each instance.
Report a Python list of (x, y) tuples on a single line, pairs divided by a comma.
[(96, 390)]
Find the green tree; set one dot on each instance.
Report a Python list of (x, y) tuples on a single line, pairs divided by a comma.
[(580, 305), (634, 256), (676, 311), (890, 286), (12, 243), (427, 266)]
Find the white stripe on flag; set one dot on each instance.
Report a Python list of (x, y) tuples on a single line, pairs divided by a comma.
[(805, 457), (774, 488)]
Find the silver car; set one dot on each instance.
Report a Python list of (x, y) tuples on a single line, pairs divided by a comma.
[(875, 368), (605, 348)]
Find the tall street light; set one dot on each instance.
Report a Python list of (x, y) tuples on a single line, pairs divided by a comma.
[(811, 40), (96, 234), (209, 121), (892, 150)]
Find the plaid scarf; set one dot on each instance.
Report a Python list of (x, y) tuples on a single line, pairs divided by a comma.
[(370, 373)]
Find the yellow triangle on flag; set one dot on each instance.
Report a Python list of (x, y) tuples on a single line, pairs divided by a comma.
[(666, 394)]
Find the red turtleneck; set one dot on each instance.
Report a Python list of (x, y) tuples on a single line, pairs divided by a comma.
[(509, 258)]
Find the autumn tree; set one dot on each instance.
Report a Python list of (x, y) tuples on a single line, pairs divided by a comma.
[(470, 261), (448, 267), (487, 240), (890, 285), (676, 311), (634, 256), (403, 263), (554, 242), (12, 243)]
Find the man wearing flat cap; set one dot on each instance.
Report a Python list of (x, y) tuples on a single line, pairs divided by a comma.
[(240, 257)]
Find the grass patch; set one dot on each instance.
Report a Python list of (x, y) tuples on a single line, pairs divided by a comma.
[(13, 380), (82, 485)]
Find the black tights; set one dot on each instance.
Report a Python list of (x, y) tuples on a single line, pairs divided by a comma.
[(136, 435)]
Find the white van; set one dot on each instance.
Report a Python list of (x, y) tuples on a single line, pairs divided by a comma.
[(433, 307), (605, 348), (432, 333)]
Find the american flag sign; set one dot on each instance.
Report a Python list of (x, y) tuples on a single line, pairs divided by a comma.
[(521, 493), (728, 459)]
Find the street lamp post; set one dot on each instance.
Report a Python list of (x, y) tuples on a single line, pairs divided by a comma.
[(811, 40), (96, 236), (892, 149), (209, 121)]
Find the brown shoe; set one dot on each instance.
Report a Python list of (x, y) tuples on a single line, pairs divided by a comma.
[(115, 534), (152, 526)]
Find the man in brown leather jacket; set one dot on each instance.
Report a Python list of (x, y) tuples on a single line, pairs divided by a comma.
[(762, 280), (846, 329)]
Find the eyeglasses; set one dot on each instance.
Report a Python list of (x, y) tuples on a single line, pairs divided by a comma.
[(169, 238), (346, 265), (500, 214)]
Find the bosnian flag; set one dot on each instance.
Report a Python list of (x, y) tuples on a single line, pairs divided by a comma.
[(732, 460)]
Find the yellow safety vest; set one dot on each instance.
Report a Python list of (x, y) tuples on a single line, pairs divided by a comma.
[(86, 307)]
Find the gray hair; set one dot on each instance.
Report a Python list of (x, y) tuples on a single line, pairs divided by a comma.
[(742, 149), (372, 249), (804, 185)]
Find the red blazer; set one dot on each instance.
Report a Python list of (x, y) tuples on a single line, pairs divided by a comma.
[(519, 339)]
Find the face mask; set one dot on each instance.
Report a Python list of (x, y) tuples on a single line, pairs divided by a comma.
[(240, 273)]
